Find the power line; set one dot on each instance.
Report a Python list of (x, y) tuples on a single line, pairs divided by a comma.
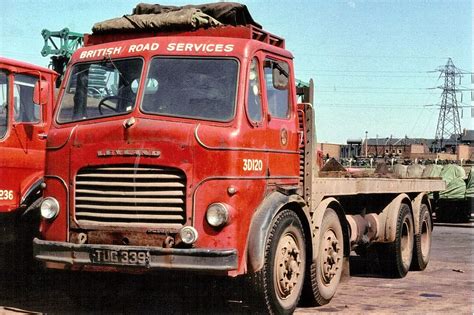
[(420, 115), (440, 106), (370, 71), (376, 105), (373, 56), (374, 92), (364, 75), (368, 87)]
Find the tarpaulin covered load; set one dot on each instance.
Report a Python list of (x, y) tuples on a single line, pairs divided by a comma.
[(415, 171), (470, 184), (453, 175), (410, 171), (432, 171), (401, 171), (158, 18), (231, 13)]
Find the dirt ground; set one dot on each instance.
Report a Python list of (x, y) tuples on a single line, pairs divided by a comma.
[(446, 286)]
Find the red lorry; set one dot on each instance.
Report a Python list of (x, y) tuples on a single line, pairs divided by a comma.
[(187, 150), (26, 106)]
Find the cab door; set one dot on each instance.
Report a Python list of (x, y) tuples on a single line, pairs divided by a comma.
[(22, 140), (282, 133)]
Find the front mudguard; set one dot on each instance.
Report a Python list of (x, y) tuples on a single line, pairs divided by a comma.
[(262, 222)]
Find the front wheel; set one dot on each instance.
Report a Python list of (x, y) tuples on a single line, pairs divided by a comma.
[(277, 286)]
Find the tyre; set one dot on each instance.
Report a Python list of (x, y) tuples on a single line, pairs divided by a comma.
[(325, 273), (276, 288), (395, 258), (422, 246)]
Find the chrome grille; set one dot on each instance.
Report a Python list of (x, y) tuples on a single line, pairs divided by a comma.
[(131, 195)]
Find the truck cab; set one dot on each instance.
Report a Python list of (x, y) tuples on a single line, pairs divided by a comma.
[(26, 106), (163, 133)]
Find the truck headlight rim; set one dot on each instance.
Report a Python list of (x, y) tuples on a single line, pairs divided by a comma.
[(217, 215), (49, 208)]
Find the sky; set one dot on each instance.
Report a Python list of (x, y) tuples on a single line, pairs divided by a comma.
[(373, 62)]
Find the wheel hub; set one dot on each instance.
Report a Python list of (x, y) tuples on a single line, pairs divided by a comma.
[(288, 268), (331, 256)]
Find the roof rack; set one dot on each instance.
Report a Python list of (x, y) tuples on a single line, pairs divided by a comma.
[(248, 32)]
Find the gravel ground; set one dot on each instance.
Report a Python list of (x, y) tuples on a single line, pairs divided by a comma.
[(446, 286)]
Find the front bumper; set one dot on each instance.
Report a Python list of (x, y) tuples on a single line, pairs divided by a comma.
[(80, 255)]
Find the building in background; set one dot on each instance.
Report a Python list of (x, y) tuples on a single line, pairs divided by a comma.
[(456, 148), (329, 150), (352, 149)]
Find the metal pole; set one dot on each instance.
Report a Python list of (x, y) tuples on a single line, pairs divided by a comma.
[(376, 145), (366, 144)]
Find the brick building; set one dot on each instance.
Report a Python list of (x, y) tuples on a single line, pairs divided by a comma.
[(395, 147)]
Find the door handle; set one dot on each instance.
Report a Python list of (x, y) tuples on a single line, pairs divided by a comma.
[(43, 135)]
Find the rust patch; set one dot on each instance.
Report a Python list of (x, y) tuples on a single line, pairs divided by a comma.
[(126, 238)]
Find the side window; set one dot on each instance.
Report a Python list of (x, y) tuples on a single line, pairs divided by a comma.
[(24, 110), (254, 98), (276, 78), (3, 103)]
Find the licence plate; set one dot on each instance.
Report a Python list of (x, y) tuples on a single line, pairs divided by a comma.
[(120, 257)]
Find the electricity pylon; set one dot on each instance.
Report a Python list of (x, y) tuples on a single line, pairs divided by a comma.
[(448, 121)]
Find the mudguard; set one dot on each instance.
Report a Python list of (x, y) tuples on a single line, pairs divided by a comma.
[(416, 206), (261, 224), (390, 214), (317, 219), (31, 193)]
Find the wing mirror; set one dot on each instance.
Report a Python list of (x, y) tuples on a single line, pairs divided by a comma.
[(41, 92), (280, 75)]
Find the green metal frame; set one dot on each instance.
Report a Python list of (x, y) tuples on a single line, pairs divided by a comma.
[(68, 42)]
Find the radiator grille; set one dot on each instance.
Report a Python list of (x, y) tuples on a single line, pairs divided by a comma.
[(131, 196)]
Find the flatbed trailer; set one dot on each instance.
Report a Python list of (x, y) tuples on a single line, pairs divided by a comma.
[(207, 163), (327, 186)]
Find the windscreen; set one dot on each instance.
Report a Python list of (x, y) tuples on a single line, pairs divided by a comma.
[(192, 88), (100, 89)]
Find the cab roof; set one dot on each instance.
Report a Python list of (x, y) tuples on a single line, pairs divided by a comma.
[(223, 41), (11, 64), (245, 32)]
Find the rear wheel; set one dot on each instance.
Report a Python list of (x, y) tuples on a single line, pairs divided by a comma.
[(325, 273), (395, 258), (277, 286), (422, 247)]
